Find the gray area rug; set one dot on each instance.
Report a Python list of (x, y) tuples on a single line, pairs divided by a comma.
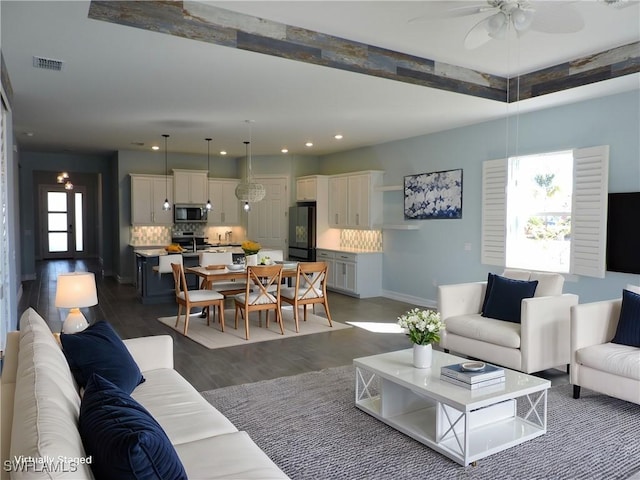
[(309, 426)]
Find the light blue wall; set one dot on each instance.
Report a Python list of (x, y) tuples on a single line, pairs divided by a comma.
[(416, 260)]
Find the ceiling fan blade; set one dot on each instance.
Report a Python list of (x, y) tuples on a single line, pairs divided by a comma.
[(556, 18), (478, 35), (451, 13)]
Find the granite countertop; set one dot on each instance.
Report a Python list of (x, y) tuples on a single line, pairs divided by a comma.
[(158, 252)]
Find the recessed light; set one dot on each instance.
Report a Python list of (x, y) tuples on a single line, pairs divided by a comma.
[(285, 150), (155, 147), (308, 144), (29, 134), (338, 136), (223, 152)]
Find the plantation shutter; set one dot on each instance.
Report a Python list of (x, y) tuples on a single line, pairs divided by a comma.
[(494, 212), (589, 211)]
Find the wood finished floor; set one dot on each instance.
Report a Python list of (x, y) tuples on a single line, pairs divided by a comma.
[(208, 369)]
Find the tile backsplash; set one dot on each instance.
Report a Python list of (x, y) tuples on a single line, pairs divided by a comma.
[(361, 239), (149, 236)]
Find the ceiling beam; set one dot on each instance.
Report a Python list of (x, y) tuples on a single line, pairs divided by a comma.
[(199, 21)]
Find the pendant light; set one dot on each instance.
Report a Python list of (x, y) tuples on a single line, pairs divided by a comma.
[(247, 191), (208, 206), (166, 206)]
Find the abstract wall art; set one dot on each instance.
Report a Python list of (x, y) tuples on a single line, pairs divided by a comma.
[(433, 195)]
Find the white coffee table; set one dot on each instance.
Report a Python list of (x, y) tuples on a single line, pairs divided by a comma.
[(464, 425)]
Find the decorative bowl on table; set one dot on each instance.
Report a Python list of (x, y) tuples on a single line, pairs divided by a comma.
[(235, 267)]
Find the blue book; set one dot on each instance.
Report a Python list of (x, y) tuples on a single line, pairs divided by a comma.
[(457, 372)]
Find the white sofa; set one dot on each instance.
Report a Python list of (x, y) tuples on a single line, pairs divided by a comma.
[(541, 339), (41, 403), (596, 363)]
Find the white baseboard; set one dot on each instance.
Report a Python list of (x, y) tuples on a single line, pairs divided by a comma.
[(423, 302)]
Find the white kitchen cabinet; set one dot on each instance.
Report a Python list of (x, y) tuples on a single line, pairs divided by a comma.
[(356, 274), (308, 188), (338, 202), (148, 193), (190, 186), (355, 201), (226, 208), (329, 257)]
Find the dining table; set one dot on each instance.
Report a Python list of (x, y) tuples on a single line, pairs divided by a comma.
[(219, 273)]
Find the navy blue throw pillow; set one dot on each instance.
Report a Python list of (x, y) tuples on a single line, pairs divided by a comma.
[(628, 331), (99, 349), (122, 438), (505, 298), (488, 290)]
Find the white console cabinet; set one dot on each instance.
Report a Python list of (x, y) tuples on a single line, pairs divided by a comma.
[(226, 208), (190, 186), (148, 193), (356, 274), (355, 200)]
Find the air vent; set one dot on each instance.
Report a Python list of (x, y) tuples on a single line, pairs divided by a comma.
[(47, 63)]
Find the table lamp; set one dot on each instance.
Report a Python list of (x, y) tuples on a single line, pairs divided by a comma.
[(76, 290)]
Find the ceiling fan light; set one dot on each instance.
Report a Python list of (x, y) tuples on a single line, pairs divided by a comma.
[(496, 25), (521, 19)]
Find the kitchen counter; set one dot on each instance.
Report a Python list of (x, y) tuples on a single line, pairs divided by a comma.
[(157, 252), (350, 250)]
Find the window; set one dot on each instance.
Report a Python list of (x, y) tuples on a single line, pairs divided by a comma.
[(539, 212), (536, 216)]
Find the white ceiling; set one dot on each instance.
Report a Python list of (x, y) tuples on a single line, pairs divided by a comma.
[(121, 85)]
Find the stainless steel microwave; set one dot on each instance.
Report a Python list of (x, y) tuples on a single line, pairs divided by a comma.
[(189, 214)]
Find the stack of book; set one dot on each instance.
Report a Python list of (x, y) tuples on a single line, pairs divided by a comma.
[(458, 375)]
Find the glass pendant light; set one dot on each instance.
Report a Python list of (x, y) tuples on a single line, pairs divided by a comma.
[(166, 205), (247, 191), (208, 206)]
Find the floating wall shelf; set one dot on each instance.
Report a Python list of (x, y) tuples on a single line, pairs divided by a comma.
[(389, 188), (399, 226)]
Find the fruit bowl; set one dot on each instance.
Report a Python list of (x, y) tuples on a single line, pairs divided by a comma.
[(235, 267)]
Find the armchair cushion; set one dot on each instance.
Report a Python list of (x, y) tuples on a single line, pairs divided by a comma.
[(503, 300), (620, 360), (474, 326), (628, 330)]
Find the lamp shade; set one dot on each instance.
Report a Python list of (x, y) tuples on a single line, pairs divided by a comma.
[(76, 290)]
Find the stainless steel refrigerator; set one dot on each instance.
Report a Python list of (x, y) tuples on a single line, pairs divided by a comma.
[(302, 233)]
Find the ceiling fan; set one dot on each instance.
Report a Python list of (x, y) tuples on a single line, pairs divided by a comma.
[(519, 15)]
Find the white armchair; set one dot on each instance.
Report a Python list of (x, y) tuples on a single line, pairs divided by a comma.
[(541, 340), (596, 363)]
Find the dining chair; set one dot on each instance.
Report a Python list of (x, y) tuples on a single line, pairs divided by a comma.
[(227, 287), (195, 298), (310, 289), (258, 295)]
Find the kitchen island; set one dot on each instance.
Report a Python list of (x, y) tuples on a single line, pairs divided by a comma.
[(153, 287)]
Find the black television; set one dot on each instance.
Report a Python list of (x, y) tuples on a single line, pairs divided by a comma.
[(623, 232)]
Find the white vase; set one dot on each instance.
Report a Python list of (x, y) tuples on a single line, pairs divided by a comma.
[(252, 259), (422, 355)]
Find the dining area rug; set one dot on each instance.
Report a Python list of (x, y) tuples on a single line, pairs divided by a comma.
[(211, 337)]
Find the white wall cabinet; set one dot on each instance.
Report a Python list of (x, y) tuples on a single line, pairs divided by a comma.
[(190, 186), (307, 189), (356, 274), (226, 207), (148, 193), (338, 202), (355, 201)]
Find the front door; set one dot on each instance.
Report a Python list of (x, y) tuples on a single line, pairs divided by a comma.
[(63, 221)]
